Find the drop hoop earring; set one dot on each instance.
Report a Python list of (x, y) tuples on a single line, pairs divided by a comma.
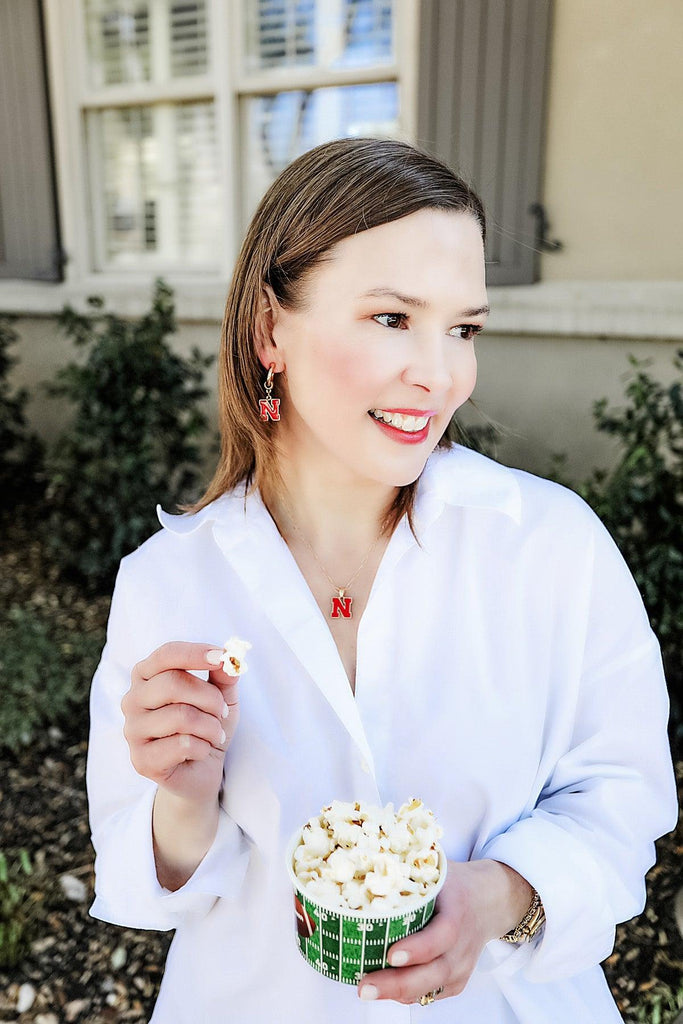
[(269, 407)]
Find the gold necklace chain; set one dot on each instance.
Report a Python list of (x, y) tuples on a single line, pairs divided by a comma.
[(337, 609)]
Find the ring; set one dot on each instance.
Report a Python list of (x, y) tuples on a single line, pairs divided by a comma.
[(430, 996)]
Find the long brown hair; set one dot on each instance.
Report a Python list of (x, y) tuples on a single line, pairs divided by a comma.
[(329, 193)]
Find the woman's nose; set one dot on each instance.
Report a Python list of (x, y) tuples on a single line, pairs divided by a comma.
[(429, 365)]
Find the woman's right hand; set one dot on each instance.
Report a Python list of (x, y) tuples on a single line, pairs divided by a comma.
[(177, 726)]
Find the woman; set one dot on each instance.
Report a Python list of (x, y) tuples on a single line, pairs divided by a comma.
[(424, 622)]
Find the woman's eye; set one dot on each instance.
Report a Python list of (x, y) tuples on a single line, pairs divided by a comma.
[(467, 331), (400, 317)]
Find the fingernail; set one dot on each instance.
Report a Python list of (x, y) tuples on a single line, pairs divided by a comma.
[(399, 958), (222, 736), (368, 992), (184, 740), (226, 710), (214, 657)]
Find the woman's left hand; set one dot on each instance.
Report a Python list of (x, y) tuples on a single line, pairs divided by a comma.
[(480, 901)]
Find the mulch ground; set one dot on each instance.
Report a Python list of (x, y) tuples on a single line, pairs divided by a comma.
[(84, 971)]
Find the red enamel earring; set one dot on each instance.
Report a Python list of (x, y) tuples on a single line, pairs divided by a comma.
[(269, 407)]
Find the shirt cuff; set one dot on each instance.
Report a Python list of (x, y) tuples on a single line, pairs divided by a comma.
[(508, 958), (127, 890), (579, 927)]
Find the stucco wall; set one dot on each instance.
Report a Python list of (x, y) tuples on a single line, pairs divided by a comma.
[(542, 391), (614, 154)]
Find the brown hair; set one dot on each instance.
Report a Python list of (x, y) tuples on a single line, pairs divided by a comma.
[(329, 193)]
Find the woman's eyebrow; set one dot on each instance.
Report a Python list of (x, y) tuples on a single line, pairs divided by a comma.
[(411, 300)]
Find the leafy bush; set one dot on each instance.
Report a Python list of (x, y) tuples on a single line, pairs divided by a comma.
[(18, 908), (46, 670), (661, 1005), (641, 503), (133, 441), (20, 451)]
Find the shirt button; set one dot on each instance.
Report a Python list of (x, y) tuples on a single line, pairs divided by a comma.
[(364, 766)]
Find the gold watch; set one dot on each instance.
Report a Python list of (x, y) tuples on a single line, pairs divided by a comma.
[(531, 923)]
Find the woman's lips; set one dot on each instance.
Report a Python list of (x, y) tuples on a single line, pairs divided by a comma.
[(405, 437)]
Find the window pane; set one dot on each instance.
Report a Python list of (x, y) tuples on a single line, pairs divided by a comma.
[(326, 33), (281, 127), (132, 41), (155, 184)]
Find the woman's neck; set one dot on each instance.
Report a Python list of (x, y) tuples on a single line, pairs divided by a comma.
[(337, 520)]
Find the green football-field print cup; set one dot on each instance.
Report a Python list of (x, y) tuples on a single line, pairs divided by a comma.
[(346, 944)]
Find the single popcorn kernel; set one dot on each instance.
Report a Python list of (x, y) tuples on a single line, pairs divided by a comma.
[(234, 651)]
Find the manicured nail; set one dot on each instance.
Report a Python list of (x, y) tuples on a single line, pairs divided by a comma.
[(226, 710), (368, 992), (399, 958), (222, 736), (214, 657)]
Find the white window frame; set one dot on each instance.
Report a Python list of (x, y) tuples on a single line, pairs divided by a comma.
[(226, 83), (72, 97)]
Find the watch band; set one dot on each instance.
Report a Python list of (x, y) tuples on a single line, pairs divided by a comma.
[(531, 923)]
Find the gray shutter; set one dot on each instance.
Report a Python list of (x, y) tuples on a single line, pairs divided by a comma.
[(481, 106), (29, 246)]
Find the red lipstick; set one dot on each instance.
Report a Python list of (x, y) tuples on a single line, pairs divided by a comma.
[(402, 436)]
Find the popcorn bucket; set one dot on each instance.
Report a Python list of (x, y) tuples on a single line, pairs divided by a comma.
[(346, 944)]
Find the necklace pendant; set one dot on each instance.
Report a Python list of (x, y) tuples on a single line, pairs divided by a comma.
[(341, 605)]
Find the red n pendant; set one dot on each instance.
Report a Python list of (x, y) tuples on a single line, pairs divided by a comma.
[(341, 606), (269, 408)]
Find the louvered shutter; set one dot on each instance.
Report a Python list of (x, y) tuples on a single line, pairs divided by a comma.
[(29, 246), (481, 104), (188, 38)]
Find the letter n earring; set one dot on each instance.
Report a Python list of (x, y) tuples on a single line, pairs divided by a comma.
[(269, 407)]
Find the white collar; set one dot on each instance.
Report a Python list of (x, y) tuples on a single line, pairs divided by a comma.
[(462, 477)]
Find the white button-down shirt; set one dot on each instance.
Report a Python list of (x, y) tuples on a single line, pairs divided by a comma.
[(506, 674)]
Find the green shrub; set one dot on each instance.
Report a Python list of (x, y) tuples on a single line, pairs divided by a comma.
[(134, 440), (20, 451), (19, 905), (661, 1005), (641, 503), (46, 670)]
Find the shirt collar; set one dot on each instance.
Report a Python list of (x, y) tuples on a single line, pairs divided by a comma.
[(456, 476), (459, 476)]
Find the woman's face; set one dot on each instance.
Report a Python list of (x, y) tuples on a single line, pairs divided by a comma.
[(409, 346)]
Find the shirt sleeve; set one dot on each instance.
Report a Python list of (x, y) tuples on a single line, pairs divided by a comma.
[(127, 890), (589, 841)]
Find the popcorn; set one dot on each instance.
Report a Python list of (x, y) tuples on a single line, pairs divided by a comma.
[(340, 866), (233, 654), (362, 857)]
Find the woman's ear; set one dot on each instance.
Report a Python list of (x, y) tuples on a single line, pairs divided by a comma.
[(266, 319)]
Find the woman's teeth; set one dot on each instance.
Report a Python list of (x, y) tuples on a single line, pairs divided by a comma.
[(411, 424)]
